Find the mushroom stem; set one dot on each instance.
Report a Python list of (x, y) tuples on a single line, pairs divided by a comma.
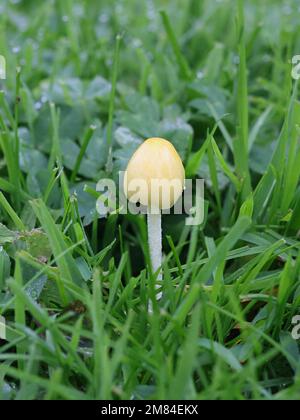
[(155, 244), (149, 180)]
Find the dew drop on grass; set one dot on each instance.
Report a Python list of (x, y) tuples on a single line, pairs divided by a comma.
[(34, 289), (103, 18), (236, 59), (200, 74), (136, 43), (78, 10), (287, 9)]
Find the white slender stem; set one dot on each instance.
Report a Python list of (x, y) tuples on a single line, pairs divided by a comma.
[(155, 244)]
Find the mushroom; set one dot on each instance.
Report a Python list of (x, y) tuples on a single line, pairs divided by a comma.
[(155, 178)]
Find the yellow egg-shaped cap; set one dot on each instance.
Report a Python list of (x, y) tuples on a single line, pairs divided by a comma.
[(155, 175)]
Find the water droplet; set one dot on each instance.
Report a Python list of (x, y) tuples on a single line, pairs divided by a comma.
[(78, 10), (103, 18), (136, 43), (200, 74), (236, 59), (287, 9)]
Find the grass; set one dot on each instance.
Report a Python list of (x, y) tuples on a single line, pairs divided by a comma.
[(86, 83)]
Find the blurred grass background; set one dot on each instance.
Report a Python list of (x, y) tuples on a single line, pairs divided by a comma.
[(215, 79)]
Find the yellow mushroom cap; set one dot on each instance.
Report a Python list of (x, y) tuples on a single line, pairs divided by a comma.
[(155, 175)]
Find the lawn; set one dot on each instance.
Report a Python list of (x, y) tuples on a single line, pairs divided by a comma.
[(86, 82)]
